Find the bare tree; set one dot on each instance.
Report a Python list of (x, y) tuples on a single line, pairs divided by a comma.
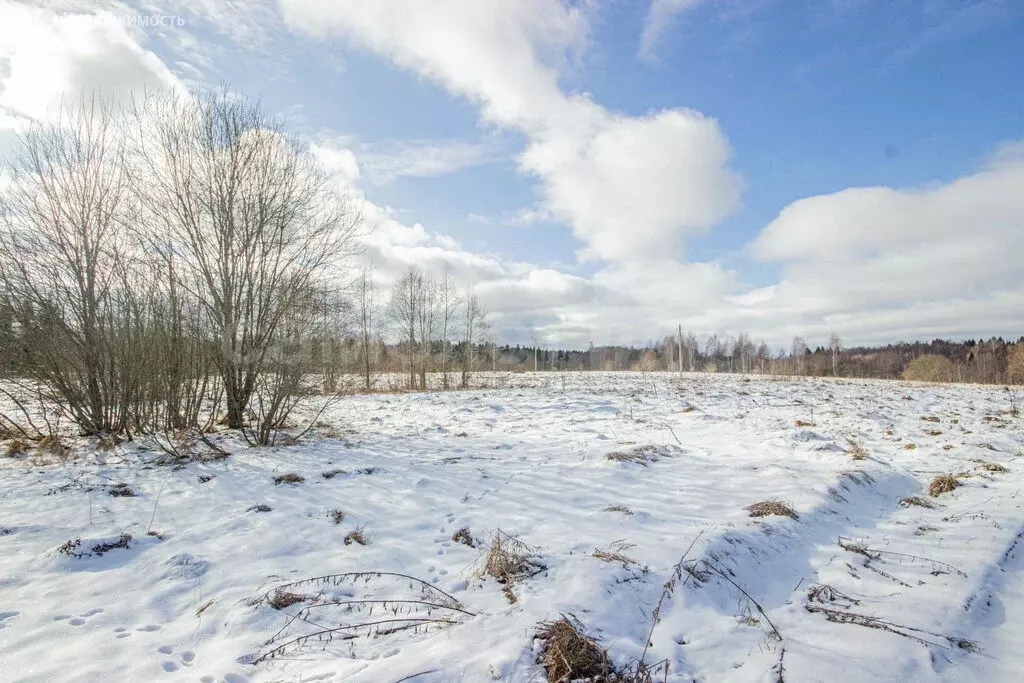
[(251, 218), (366, 321), (449, 302), (64, 250), (474, 331), (426, 322), (404, 310), (835, 345), (799, 350)]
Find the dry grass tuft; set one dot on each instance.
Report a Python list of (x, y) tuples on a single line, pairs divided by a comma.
[(618, 508), (331, 474), (260, 507), (284, 599), (916, 500), (991, 466), (771, 508), (855, 450), (930, 418), (644, 455), (16, 447), (568, 654), (508, 560), (290, 478), (910, 447), (357, 535), (55, 446), (933, 432), (804, 423), (336, 516), (121, 490), (464, 537), (944, 483), (616, 552)]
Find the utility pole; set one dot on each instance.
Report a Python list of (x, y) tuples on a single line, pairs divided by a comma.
[(680, 344)]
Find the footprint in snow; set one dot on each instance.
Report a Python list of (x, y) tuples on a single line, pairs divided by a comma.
[(187, 658)]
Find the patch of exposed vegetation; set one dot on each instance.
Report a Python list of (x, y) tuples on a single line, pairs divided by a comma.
[(568, 654), (774, 507), (464, 537), (944, 483)]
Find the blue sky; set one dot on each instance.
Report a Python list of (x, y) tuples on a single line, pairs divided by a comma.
[(607, 170)]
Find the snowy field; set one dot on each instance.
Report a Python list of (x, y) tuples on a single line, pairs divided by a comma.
[(857, 586)]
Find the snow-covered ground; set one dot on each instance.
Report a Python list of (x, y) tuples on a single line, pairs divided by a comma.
[(857, 587)]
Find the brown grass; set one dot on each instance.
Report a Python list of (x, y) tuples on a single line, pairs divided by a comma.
[(290, 478), (930, 418), (991, 466), (772, 507), (336, 516), (644, 455), (283, 599), (804, 423), (16, 447), (508, 560), (357, 535), (568, 654), (616, 552), (855, 450), (933, 432), (618, 508), (464, 537), (916, 500), (910, 447), (944, 483)]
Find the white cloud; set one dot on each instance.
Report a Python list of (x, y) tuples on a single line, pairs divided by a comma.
[(385, 161), (50, 57), (629, 187), (894, 259), (659, 18)]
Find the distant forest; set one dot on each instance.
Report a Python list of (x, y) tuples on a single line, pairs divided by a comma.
[(992, 361)]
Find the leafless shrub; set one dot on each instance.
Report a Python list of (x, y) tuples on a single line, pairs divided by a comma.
[(772, 507), (930, 368)]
